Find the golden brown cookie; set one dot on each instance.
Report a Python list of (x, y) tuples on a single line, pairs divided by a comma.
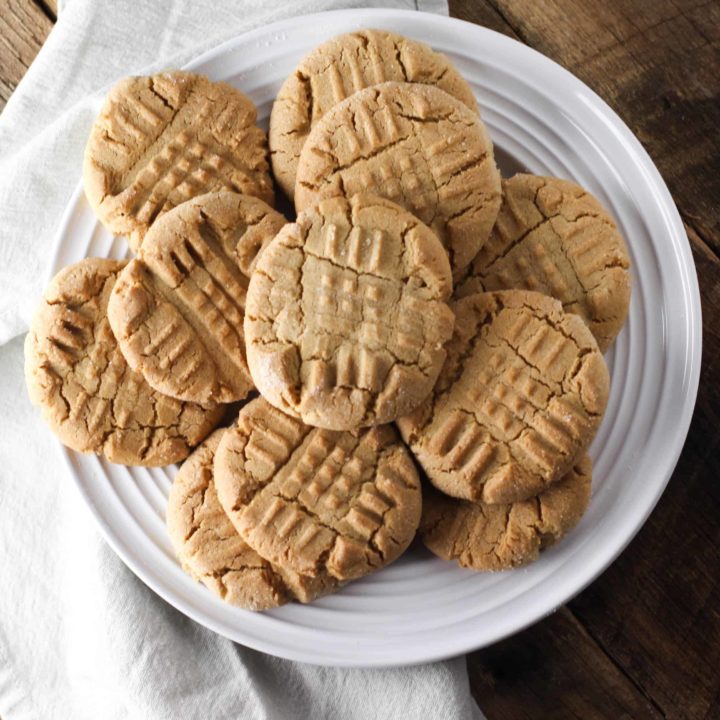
[(211, 551), (519, 398), (497, 537), (317, 502), (163, 139), (346, 317), (89, 396), (340, 67), (553, 237), (413, 144), (177, 309)]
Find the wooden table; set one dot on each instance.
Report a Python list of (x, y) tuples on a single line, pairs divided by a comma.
[(643, 641)]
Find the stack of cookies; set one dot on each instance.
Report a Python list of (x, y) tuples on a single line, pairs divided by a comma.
[(419, 351)]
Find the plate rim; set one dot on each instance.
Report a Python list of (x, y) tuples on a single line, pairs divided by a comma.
[(605, 554)]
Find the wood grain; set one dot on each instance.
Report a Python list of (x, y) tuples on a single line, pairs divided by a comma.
[(544, 672), (23, 29), (643, 641), (655, 63)]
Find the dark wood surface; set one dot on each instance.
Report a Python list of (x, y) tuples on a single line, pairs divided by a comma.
[(643, 641)]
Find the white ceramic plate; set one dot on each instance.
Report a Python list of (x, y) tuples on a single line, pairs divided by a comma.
[(542, 119)]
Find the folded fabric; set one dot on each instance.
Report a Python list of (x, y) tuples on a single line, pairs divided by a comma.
[(80, 635)]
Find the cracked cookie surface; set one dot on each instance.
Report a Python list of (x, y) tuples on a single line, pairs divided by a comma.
[(346, 317), (498, 537), (88, 394), (211, 551), (337, 69), (317, 502), (553, 237), (162, 139), (412, 144), (520, 397), (177, 309)]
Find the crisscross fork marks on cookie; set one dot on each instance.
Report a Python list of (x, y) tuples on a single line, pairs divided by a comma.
[(279, 523), (560, 258), (500, 400), (358, 326), (89, 396), (552, 236), (186, 168), (162, 140), (525, 401), (178, 309), (412, 144), (339, 68), (496, 537), (346, 320), (189, 324), (324, 507), (340, 504), (211, 550), (385, 157)]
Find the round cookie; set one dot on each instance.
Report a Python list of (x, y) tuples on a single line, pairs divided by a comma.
[(163, 139), (519, 398), (412, 144), (89, 396), (346, 316), (177, 309), (340, 67), (498, 537), (317, 502), (553, 237), (211, 551)]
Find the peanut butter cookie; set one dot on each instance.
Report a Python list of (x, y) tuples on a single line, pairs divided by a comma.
[(177, 309), (518, 400), (339, 68), (346, 317), (554, 237), (497, 537), (163, 139), (412, 144), (211, 551), (317, 502), (89, 396)]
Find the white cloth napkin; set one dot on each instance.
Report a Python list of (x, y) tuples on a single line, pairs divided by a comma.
[(80, 636)]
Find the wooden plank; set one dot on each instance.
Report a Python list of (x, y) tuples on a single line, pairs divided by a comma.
[(23, 29), (554, 670)]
